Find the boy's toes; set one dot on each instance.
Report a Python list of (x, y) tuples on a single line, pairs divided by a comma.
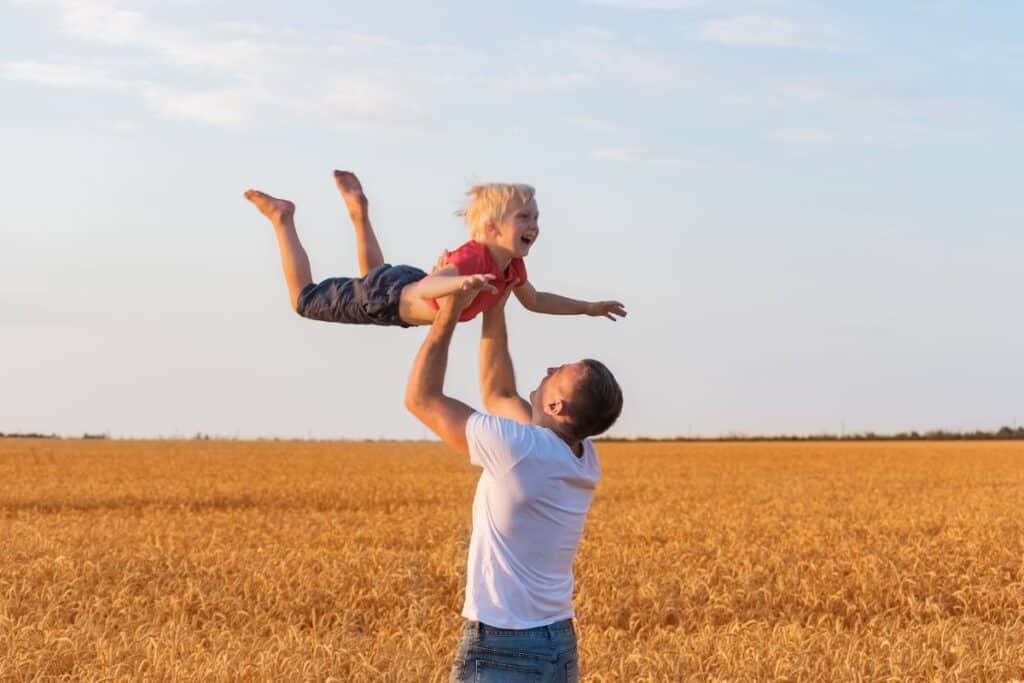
[(348, 183), (346, 177)]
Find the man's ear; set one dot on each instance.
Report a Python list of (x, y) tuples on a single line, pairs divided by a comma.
[(555, 408), (492, 229)]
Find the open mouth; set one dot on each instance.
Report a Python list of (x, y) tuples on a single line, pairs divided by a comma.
[(527, 240)]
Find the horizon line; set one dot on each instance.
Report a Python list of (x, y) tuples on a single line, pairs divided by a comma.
[(1004, 432)]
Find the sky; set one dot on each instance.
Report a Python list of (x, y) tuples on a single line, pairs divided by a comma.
[(809, 209)]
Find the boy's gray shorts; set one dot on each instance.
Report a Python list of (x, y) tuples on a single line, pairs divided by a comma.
[(370, 300)]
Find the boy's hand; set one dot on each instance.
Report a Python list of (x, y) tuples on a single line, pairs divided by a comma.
[(481, 282), (470, 286), (606, 309)]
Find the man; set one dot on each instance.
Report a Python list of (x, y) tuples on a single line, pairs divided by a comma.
[(539, 474)]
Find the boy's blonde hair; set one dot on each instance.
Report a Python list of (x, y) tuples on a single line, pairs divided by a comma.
[(488, 203)]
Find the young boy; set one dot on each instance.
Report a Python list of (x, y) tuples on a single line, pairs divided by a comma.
[(503, 225)]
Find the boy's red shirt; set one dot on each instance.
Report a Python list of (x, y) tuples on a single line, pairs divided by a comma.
[(473, 258)]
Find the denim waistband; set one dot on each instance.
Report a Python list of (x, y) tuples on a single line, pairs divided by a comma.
[(558, 628)]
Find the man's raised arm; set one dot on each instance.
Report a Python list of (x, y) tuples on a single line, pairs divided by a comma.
[(424, 393), (497, 378)]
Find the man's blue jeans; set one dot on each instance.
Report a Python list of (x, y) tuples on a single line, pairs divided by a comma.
[(500, 655)]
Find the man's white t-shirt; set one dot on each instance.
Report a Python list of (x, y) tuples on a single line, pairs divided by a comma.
[(528, 513)]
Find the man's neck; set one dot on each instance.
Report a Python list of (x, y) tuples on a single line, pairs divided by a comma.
[(575, 445), (501, 257)]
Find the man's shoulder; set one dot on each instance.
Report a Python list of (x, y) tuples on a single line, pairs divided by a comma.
[(500, 425), (498, 443), (520, 436), (525, 438)]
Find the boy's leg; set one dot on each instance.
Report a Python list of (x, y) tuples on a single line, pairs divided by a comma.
[(368, 249), (294, 260)]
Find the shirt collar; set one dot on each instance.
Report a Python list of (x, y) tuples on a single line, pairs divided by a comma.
[(492, 265)]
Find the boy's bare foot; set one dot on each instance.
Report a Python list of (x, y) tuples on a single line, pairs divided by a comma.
[(351, 191), (275, 209)]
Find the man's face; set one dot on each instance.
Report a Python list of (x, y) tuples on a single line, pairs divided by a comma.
[(518, 229), (559, 384)]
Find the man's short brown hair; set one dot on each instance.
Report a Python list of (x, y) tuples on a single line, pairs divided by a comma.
[(597, 401)]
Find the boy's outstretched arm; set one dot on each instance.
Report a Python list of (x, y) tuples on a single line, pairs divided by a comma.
[(497, 377), (554, 304)]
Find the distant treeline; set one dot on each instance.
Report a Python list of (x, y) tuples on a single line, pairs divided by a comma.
[(36, 435), (1003, 433)]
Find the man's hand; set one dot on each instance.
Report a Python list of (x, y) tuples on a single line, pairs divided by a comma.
[(442, 261), (606, 309), (500, 303)]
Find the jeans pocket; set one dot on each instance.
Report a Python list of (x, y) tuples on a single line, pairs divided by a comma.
[(493, 671)]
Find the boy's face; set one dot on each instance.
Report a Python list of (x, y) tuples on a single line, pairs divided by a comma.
[(518, 229)]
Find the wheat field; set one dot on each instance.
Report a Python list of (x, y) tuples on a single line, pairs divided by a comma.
[(290, 561)]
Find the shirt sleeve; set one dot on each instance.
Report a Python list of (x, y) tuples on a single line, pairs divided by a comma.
[(497, 444), (517, 269), (467, 259)]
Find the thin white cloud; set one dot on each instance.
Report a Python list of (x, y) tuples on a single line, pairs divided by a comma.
[(867, 96), (253, 29), (813, 136), (944, 8), (888, 135), (594, 125), (218, 106), (525, 81), (763, 31), (516, 80), (376, 40), (235, 70), (638, 156), (647, 4), (59, 75), (240, 73), (604, 55)]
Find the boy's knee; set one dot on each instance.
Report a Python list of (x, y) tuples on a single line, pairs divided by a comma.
[(300, 300), (318, 301)]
